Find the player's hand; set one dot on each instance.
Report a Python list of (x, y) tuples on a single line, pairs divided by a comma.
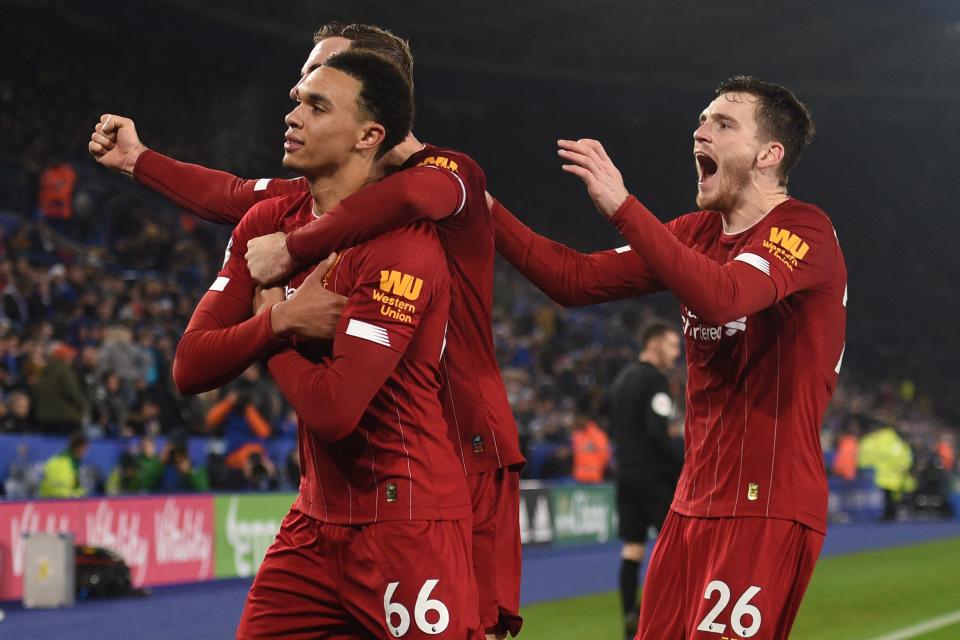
[(115, 144), (312, 311), (263, 298), (588, 160), (268, 259)]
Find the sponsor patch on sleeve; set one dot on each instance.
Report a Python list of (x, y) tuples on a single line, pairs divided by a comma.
[(787, 247)]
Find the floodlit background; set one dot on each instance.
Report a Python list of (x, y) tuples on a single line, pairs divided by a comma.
[(101, 296)]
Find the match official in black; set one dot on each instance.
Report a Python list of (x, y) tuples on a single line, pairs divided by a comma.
[(648, 458)]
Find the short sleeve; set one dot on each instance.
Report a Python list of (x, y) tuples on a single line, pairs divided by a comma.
[(798, 250), (396, 279)]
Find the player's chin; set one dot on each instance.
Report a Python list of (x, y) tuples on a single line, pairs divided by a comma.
[(290, 161)]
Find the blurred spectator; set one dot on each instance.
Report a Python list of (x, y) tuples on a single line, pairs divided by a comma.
[(138, 470), (239, 419), (55, 194), (846, 460), (21, 481), (885, 451), (15, 412), (61, 473), (131, 362), (58, 396), (178, 474), (591, 452)]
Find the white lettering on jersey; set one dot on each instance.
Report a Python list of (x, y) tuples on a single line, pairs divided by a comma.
[(220, 283), (261, 184)]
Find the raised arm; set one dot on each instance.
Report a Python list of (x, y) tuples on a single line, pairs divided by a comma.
[(209, 194), (569, 277), (213, 195), (717, 293)]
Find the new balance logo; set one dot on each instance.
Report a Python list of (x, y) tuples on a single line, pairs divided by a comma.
[(401, 284)]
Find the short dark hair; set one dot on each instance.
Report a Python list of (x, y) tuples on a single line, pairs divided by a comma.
[(654, 329), (780, 116), (385, 93), (371, 38)]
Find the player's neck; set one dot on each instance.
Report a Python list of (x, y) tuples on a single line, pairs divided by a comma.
[(651, 360), (329, 190), (401, 153), (753, 205)]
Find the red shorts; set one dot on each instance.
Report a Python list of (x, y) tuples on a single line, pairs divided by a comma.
[(726, 578), (404, 579), (496, 548)]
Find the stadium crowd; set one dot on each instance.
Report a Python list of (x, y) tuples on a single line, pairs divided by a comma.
[(89, 326)]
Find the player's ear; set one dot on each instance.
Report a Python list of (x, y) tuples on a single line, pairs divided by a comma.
[(770, 155), (371, 136)]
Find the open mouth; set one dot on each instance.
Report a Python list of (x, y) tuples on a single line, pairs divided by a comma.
[(706, 166)]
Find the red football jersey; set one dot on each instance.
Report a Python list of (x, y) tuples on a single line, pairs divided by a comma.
[(398, 463), (474, 399), (758, 386), (758, 381)]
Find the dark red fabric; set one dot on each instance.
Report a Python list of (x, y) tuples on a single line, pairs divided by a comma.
[(207, 193), (729, 556), (326, 581)]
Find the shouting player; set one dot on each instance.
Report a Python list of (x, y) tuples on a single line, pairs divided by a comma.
[(762, 284), (378, 540), (434, 184)]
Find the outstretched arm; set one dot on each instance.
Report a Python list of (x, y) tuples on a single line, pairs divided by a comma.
[(418, 193), (209, 194), (566, 276), (717, 293)]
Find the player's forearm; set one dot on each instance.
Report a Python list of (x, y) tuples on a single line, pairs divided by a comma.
[(330, 398), (420, 193), (716, 293), (566, 276), (209, 194), (208, 358)]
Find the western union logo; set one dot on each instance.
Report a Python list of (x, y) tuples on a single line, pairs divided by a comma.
[(439, 161), (792, 243), (401, 284)]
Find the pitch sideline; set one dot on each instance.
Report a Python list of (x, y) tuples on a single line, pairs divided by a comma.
[(922, 627)]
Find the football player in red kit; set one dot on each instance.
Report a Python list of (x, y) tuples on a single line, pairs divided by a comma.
[(436, 184), (763, 289), (378, 542)]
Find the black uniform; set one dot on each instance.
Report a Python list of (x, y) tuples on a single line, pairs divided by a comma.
[(648, 459)]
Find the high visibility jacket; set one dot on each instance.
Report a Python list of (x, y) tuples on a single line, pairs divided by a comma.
[(845, 462), (591, 453), (891, 458), (55, 196), (60, 478)]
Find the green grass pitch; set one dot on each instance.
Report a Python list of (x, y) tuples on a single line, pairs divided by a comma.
[(859, 596)]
